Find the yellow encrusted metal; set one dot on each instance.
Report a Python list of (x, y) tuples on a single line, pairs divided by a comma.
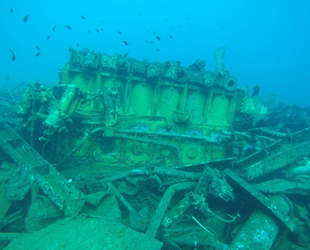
[(120, 112)]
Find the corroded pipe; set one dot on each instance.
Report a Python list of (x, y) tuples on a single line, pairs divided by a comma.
[(163, 205)]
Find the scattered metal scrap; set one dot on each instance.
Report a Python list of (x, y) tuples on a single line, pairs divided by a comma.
[(178, 157), (31, 167), (8, 100)]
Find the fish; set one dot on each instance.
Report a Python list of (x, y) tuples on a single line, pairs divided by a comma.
[(151, 41), (68, 27), (77, 44), (119, 32), (97, 30), (101, 29), (83, 17), (11, 10), (13, 55), (37, 47), (125, 42), (145, 41), (48, 37), (158, 50), (25, 18), (158, 38), (37, 54), (88, 32), (171, 36), (54, 28)]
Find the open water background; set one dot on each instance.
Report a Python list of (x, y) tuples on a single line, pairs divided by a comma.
[(268, 41)]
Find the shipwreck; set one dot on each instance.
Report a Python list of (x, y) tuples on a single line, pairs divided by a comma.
[(128, 154)]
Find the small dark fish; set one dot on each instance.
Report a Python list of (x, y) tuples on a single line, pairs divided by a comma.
[(68, 27), (13, 55), (158, 50), (25, 18), (77, 44), (101, 29), (37, 47), (54, 28), (154, 33), (151, 41), (83, 17), (145, 41), (48, 37), (102, 21), (171, 36), (119, 32), (167, 20), (97, 30), (37, 54), (125, 42), (158, 38), (11, 10), (88, 32)]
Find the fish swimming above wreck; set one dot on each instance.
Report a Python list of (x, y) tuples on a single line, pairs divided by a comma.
[(12, 54), (152, 155), (125, 42), (25, 18)]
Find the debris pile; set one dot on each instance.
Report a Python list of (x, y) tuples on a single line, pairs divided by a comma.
[(156, 156)]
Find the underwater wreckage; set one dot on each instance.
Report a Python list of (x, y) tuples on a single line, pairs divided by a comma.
[(129, 154)]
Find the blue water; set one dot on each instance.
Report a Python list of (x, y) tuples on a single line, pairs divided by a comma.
[(268, 41)]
